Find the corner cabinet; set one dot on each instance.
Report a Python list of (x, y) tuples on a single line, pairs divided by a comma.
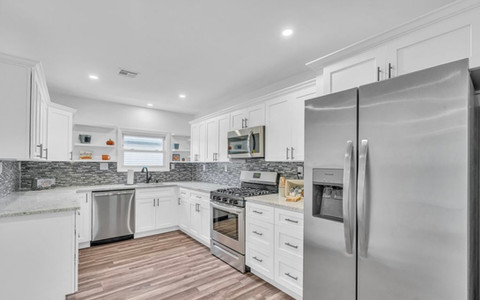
[(155, 210), (285, 117)]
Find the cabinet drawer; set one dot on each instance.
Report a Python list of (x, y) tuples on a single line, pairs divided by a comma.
[(260, 212), (155, 192), (260, 233), (289, 273), (288, 242), (289, 219), (184, 194), (260, 261), (199, 196)]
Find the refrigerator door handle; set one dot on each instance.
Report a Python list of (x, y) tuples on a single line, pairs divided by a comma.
[(347, 198), (362, 210)]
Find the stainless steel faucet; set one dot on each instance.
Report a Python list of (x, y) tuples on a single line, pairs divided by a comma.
[(148, 178)]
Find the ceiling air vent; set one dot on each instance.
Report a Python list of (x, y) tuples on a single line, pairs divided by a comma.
[(127, 73)]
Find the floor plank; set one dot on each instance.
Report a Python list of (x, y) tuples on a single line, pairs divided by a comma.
[(165, 266)]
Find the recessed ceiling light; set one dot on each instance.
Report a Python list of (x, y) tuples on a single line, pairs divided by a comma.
[(93, 77), (183, 96), (150, 105), (287, 32)]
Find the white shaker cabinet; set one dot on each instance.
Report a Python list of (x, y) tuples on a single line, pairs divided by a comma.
[(60, 128), (194, 210), (39, 118), (84, 225), (184, 209), (156, 209), (248, 117), (198, 143), (216, 138)]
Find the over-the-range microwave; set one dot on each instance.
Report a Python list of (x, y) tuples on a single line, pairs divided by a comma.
[(247, 143)]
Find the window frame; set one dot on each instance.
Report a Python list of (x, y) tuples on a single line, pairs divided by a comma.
[(121, 167)]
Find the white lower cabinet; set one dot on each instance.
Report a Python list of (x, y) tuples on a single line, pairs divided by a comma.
[(274, 239), (83, 220), (155, 210), (195, 215)]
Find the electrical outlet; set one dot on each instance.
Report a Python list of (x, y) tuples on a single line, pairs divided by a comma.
[(44, 183), (300, 171), (1, 167), (226, 168), (103, 166), (204, 168), (172, 166)]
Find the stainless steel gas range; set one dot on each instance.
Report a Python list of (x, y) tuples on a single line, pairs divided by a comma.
[(227, 225)]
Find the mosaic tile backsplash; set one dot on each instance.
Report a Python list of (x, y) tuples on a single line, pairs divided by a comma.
[(88, 173), (10, 177)]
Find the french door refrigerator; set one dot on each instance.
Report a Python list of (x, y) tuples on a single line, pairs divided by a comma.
[(390, 204)]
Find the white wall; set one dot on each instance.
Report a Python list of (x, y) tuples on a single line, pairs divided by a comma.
[(91, 111)]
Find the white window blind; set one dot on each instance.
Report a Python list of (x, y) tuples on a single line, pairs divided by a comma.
[(143, 150)]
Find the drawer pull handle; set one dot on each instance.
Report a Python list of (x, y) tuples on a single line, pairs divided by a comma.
[(258, 212), (290, 245), (293, 277), (257, 233), (257, 259), (291, 221)]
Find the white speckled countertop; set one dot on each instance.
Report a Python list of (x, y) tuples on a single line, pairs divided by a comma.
[(65, 199), (38, 202), (277, 201)]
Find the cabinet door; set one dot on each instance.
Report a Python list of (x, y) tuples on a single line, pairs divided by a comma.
[(144, 214), (211, 143), (184, 212), (434, 45), (223, 129), (195, 141), (59, 134), (195, 219), (298, 124), (83, 219), (278, 129), (165, 212), (237, 119), (255, 116), (360, 69), (202, 142)]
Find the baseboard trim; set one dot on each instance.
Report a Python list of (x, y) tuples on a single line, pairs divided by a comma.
[(157, 231)]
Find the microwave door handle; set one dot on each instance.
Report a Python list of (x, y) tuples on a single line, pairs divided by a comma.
[(248, 143), (348, 209)]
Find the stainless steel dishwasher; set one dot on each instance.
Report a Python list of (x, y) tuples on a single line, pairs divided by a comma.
[(113, 216)]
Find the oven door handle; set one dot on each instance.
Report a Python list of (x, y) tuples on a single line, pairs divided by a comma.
[(228, 208)]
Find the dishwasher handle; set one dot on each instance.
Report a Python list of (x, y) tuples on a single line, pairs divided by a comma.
[(115, 193)]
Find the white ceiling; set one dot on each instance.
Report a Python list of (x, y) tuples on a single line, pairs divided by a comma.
[(212, 50)]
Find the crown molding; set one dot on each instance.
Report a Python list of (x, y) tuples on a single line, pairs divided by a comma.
[(440, 14)]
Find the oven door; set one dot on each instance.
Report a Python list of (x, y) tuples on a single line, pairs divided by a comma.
[(227, 226), (246, 143)]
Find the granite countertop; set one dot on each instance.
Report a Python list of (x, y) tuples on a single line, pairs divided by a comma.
[(277, 201), (65, 199), (38, 202), (205, 187)]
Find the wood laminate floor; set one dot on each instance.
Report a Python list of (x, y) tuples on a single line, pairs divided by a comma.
[(165, 266)]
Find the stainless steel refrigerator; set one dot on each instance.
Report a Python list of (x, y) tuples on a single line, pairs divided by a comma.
[(391, 190)]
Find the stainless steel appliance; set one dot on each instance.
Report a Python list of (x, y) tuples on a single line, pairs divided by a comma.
[(113, 216), (391, 180), (227, 226), (247, 143)]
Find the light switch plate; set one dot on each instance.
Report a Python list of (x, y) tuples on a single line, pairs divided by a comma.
[(204, 168), (226, 168), (172, 166), (300, 171), (104, 166)]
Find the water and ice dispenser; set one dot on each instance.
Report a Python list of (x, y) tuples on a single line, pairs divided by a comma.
[(328, 194)]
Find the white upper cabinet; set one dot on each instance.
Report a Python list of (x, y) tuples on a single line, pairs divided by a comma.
[(285, 118), (60, 128), (249, 117), (15, 81), (216, 138), (198, 136), (366, 67), (444, 36), (39, 118)]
